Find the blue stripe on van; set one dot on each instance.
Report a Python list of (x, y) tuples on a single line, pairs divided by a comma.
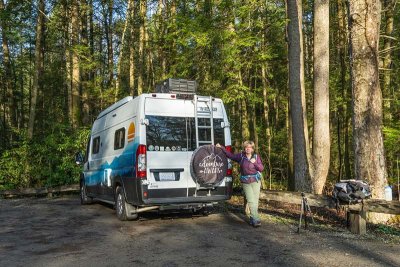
[(122, 165)]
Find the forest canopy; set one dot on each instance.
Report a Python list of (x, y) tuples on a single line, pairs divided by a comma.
[(63, 61)]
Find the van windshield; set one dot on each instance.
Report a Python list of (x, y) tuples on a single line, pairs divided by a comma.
[(177, 133)]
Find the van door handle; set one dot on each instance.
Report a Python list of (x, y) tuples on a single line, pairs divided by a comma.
[(167, 170)]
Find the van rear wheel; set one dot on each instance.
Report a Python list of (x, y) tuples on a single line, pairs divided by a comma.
[(122, 207)]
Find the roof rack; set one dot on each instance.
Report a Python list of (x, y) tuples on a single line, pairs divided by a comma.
[(177, 86)]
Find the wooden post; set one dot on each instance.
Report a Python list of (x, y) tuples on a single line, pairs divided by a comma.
[(358, 222)]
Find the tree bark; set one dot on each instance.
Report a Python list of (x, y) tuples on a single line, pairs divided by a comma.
[(122, 49), (75, 65), (38, 66), (290, 167), (161, 30), (10, 103), (132, 51), (142, 41), (301, 156), (369, 162), (266, 121), (110, 49), (321, 133), (387, 58), (85, 75)]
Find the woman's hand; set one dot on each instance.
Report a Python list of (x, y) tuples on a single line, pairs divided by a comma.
[(218, 145), (253, 160)]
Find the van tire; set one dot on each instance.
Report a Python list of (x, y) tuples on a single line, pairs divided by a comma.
[(122, 207), (85, 199)]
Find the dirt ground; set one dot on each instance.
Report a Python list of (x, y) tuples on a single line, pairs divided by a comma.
[(61, 232)]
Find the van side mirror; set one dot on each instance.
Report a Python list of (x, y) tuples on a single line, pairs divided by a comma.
[(79, 158)]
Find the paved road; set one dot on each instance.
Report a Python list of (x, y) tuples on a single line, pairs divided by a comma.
[(61, 232)]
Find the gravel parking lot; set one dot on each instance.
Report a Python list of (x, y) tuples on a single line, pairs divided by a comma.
[(61, 232)]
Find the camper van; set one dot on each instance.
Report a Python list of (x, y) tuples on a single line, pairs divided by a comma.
[(139, 155)]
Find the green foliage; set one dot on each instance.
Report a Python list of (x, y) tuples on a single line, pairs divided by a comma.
[(388, 230), (43, 162), (392, 149)]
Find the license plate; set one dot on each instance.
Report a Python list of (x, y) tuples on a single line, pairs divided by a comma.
[(167, 176)]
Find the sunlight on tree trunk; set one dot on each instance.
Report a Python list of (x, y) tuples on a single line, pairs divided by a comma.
[(369, 162), (297, 97), (321, 134), (38, 67)]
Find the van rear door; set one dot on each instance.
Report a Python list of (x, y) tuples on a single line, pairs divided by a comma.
[(168, 147)]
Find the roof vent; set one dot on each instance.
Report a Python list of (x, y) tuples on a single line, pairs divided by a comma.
[(177, 86)]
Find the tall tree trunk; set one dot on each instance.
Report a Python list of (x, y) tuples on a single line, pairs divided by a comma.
[(342, 117), (290, 167), (122, 49), (142, 41), (91, 39), (110, 51), (11, 109), (266, 121), (85, 75), (132, 70), (301, 156), (161, 30), (369, 162), (68, 61), (321, 134), (389, 6), (38, 66), (244, 112), (75, 65), (254, 122), (132, 51)]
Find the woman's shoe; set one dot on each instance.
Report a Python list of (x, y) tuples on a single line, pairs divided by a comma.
[(257, 223), (251, 222)]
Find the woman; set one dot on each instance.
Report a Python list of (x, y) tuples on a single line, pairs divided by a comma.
[(250, 174)]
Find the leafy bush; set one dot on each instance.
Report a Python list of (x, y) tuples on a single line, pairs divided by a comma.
[(44, 161)]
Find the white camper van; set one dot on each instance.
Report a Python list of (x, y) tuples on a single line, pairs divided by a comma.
[(140, 149)]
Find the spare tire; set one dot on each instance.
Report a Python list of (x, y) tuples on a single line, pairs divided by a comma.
[(208, 165)]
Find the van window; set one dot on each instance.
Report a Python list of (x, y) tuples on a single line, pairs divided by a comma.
[(119, 138), (170, 134), (87, 150), (219, 136), (96, 145), (179, 134)]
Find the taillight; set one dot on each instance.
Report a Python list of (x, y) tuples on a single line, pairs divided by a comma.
[(229, 170), (141, 161)]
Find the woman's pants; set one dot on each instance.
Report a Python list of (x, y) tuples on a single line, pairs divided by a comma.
[(252, 192)]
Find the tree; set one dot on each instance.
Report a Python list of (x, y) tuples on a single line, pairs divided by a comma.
[(321, 136), (389, 8), (38, 65), (297, 101), (369, 162), (75, 104), (142, 44)]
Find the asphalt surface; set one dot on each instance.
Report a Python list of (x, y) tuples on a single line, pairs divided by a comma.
[(61, 232)]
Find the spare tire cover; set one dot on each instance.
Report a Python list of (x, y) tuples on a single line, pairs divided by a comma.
[(208, 165)]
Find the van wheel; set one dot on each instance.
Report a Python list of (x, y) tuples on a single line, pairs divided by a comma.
[(84, 198), (122, 207)]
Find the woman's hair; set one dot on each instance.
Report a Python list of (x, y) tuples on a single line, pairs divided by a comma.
[(248, 143)]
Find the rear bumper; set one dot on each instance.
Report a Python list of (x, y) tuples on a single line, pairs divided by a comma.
[(138, 194), (184, 200)]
